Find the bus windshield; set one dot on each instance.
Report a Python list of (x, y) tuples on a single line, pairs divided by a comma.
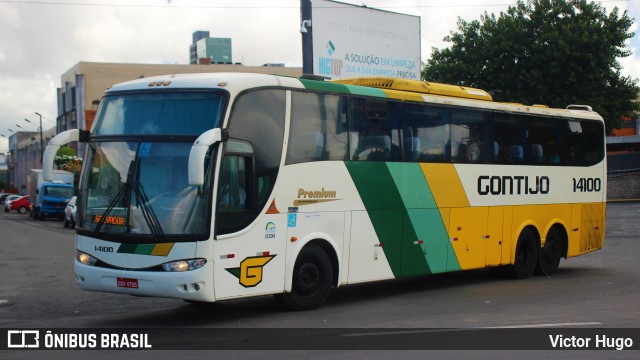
[(137, 184), (160, 113), (141, 188)]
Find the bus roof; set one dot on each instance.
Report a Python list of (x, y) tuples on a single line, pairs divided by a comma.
[(422, 87), (399, 89), (228, 81)]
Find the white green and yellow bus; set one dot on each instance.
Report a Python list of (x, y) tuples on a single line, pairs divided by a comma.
[(210, 187)]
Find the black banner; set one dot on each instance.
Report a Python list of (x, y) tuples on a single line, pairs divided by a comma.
[(321, 339)]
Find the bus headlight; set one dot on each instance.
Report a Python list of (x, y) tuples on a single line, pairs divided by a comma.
[(184, 265), (85, 258)]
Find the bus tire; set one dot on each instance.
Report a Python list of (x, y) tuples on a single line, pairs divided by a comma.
[(550, 254), (311, 281), (526, 255)]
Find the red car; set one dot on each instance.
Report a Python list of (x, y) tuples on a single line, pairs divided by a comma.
[(21, 205)]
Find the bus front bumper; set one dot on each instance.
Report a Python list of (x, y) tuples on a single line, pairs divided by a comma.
[(195, 285)]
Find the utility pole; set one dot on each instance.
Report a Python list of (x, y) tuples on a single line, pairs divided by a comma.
[(41, 141), (306, 30)]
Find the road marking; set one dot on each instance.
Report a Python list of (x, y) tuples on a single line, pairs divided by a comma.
[(420, 331), (401, 332), (543, 325)]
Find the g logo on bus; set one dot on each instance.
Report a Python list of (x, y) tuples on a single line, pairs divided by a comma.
[(250, 270)]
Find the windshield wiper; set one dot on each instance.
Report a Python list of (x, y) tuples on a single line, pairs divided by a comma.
[(121, 195), (150, 217)]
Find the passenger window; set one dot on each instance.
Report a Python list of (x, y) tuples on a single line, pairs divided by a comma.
[(593, 142), (509, 139), (543, 142), (374, 130), (469, 137), (583, 143), (318, 128), (426, 133)]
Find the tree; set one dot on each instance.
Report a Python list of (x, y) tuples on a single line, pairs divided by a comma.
[(66, 159), (551, 52)]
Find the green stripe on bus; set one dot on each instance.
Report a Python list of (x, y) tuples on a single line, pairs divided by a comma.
[(144, 249), (366, 91), (138, 249), (383, 201), (412, 185), (430, 229), (324, 86), (422, 217), (127, 248), (405, 217)]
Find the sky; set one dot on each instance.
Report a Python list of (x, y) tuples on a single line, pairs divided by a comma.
[(42, 39)]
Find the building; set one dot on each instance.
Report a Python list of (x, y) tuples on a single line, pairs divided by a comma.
[(206, 50), (623, 146), (24, 155), (4, 172), (626, 139), (193, 48), (215, 50), (82, 86)]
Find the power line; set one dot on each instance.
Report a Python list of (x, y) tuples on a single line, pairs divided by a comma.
[(172, 6)]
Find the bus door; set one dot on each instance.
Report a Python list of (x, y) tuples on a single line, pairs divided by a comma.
[(249, 250)]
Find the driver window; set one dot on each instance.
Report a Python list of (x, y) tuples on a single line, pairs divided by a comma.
[(232, 195), (236, 195)]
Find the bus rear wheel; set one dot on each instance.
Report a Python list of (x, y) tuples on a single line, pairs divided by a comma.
[(550, 254), (526, 255), (311, 281)]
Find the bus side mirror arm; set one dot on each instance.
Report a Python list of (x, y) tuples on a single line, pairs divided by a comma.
[(54, 145), (199, 151)]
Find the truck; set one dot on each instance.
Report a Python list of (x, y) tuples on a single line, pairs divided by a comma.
[(50, 198)]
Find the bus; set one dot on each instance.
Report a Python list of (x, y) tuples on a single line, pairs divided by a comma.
[(209, 187)]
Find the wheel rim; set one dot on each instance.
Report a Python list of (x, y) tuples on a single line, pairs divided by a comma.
[(308, 279)]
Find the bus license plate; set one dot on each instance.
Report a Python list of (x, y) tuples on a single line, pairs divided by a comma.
[(127, 283)]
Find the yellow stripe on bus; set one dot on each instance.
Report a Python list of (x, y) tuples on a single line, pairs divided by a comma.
[(162, 249), (445, 185)]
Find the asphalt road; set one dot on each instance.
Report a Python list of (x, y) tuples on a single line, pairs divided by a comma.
[(597, 290)]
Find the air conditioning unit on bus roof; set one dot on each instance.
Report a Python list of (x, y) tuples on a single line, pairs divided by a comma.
[(579, 107)]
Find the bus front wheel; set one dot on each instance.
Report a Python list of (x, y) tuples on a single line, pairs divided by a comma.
[(311, 283), (526, 255)]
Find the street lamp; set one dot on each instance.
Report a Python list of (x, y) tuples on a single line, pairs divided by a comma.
[(29, 121), (39, 130), (41, 141)]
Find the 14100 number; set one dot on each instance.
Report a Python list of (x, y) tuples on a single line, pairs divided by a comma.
[(587, 184)]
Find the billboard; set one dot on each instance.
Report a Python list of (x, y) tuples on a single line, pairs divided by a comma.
[(355, 41)]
